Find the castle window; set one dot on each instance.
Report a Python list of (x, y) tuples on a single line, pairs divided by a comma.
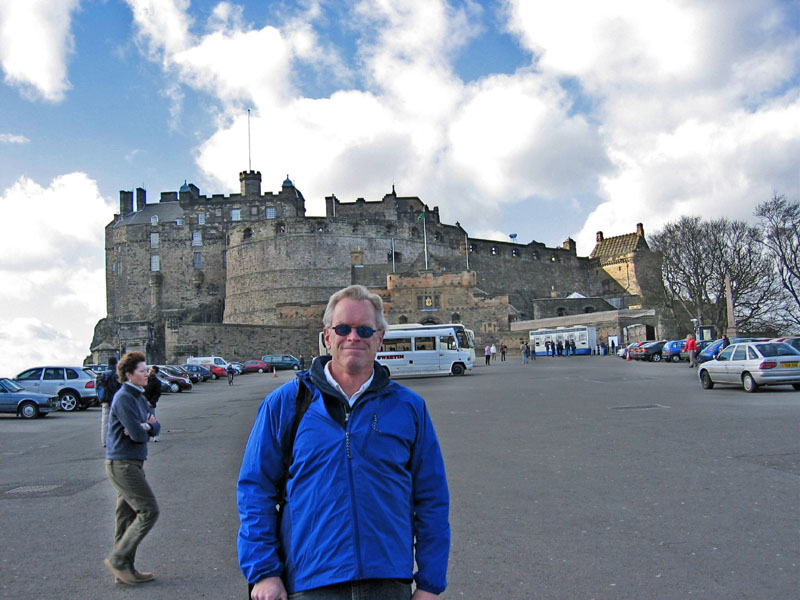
[(201, 218), (154, 220), (270, 212), (236, 214), (494, 250), (197, 238), (390, 229), (473, 248), (403, 319), (155, 240), (437, 236), (561, 311), (280, 228), (514, 252), (254, 211), (553, 258), (179, 221), (247, 234), (589, 309), (397, 256), (455, 318), (155, 262), (198, 260), (535, 255)]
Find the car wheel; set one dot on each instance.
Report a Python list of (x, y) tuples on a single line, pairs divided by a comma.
[(68, 401), (28, 410), (676, 358), (213, 376), (749, 383), (174, 388), (261, 370), (295, 367), (656, 358), (705, 380), (796, 387), (458, 369)]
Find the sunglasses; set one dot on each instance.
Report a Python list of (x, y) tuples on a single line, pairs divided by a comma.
[(363, 331)]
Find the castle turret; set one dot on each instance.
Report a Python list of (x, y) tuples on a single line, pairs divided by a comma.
[(250, 182)]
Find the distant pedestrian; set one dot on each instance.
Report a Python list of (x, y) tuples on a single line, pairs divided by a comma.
[(725, 342), (572, 347), (560, 348), (487, 351), (528, 349), (691, 349), (523, 350), (493, 350), (532, 350), (302, 360), (503, 353), (152, 391), (107, 386)]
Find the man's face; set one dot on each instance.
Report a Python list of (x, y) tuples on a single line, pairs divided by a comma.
[(351, 353)]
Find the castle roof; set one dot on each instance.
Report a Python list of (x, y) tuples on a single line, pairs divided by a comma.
[(619, 245), (165, 211)]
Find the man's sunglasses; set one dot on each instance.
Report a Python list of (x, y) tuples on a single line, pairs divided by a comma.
[(362, 330)]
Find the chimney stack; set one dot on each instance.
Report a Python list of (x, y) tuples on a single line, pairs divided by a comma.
[(599, 236), (640, 230), (125, 203), (141, 199)]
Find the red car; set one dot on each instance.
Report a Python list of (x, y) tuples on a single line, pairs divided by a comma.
[(216, 372), (256, 366)]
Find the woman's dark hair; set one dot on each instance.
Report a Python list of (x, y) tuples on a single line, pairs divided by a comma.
[(128, 363)]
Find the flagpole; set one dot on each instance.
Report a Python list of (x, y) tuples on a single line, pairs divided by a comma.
[(425, 237), (466, 249), (393, 270)]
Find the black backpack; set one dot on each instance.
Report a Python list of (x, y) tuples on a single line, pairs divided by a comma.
[(111, 385)]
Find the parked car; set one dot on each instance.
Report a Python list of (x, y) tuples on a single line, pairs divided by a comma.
[(794, 342), (200, 370), (626, 350), (710, 349), (76, 387), (181, 372), (28, 405), (98, 369), (671, 352), (281, 361), (649, 351), (177, 383), (753, 364), (256, 366), (216, 371)]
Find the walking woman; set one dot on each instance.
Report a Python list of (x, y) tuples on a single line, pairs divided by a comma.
[(130, 427)]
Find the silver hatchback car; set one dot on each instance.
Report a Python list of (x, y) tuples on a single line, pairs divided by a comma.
[(76, 387), (751, 365)]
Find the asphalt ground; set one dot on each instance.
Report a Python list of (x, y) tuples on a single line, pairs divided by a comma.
[(570, 478)]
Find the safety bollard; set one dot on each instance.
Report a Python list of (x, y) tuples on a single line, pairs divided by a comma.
[(274, 372)]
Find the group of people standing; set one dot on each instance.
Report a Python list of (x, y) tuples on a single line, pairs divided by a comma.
[(560, 348)]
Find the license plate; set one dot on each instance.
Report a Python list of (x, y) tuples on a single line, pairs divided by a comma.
[(791, 365)]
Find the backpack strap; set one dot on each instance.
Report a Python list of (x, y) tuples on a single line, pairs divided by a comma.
[(301, 403)]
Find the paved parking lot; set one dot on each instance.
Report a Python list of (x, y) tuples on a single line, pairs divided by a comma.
[(580, 477)]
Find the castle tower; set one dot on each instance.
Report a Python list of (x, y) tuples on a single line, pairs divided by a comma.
[(251, 183)]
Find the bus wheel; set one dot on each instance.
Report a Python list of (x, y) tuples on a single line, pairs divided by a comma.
[(458, 369)]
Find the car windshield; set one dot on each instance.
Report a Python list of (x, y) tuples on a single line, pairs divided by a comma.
[(776, 349), (9, 385)]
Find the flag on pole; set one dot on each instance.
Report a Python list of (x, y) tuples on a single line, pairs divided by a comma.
[(421, 216)]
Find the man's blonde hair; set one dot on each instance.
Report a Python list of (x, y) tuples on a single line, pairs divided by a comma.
[(355, 292)]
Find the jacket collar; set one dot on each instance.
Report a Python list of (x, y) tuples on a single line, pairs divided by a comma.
[(316, 376)]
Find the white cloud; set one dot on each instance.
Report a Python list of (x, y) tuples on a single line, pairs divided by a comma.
[(52, 255), (10, 138), (35, 42)]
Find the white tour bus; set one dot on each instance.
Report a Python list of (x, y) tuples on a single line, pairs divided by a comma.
[(429, 350), (585, 338), (465, 337), (420, 350)]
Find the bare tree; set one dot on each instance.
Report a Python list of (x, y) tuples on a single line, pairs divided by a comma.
[(780, 220), (696, 257)]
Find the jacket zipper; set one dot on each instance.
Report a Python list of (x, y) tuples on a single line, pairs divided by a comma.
[(354, 519)]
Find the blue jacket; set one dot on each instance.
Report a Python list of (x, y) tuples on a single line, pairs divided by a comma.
[(367, 493)]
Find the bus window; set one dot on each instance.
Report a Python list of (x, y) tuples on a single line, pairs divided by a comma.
[(463, 342), (396, 345), (447, 342), (425, 343)]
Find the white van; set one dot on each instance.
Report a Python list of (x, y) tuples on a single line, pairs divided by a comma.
[(429, 351), (217, 361)]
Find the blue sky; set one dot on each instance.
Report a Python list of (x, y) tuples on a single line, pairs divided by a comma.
[(544, 119)]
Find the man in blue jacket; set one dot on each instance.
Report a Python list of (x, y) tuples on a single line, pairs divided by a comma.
[(366, 493)]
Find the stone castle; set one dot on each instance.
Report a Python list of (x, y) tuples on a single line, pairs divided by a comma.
[(249, 274)]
